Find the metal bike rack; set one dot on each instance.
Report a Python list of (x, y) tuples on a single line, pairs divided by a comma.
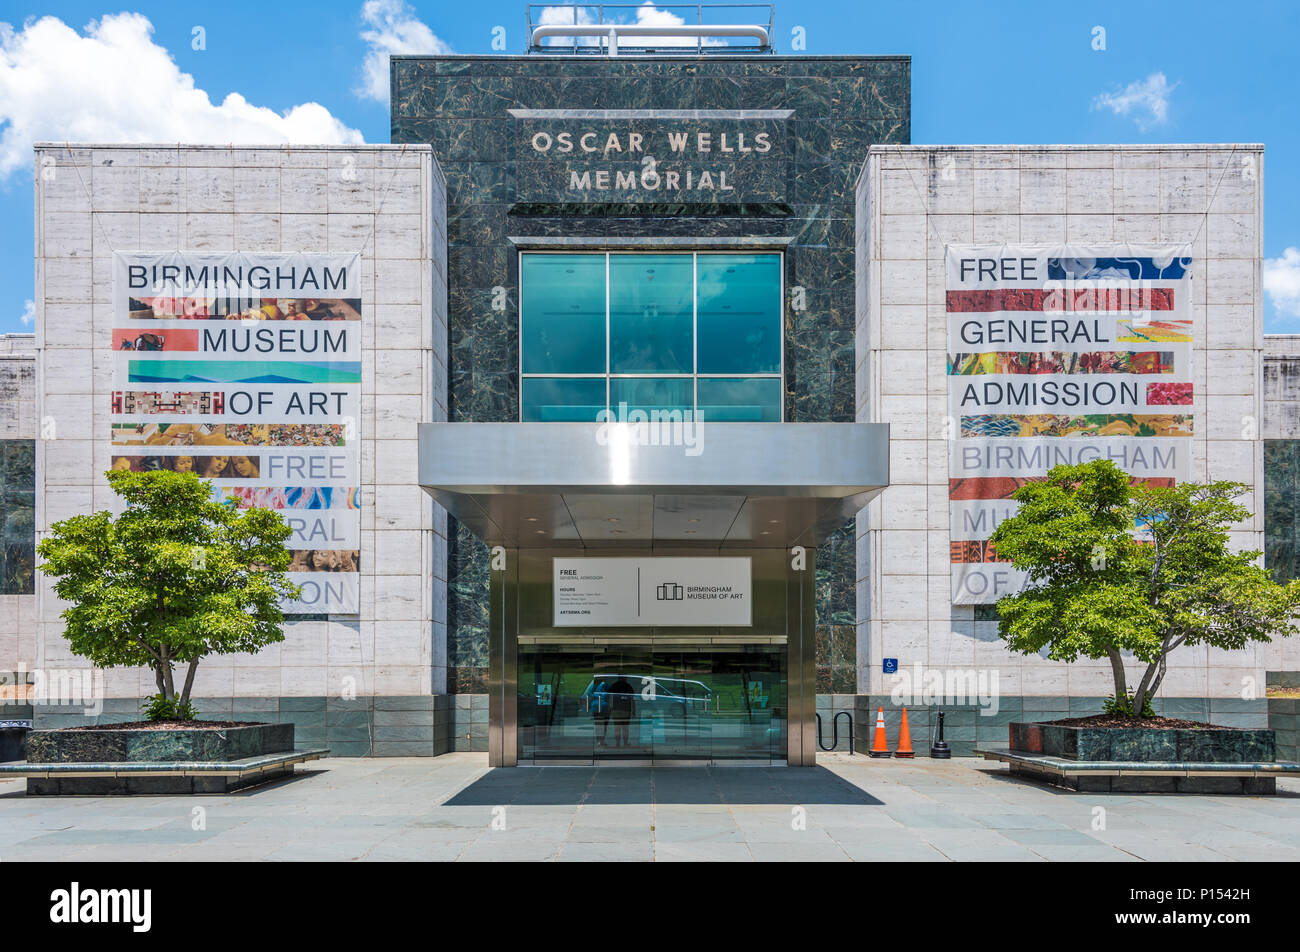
[(835, 732)]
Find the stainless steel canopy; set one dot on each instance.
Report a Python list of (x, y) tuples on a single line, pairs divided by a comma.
[(532, 485)]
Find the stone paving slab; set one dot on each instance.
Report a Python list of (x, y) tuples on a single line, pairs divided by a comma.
[(848, 808)]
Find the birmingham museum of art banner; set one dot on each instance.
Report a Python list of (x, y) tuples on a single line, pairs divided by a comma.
[(1059, 355), (246, 369)]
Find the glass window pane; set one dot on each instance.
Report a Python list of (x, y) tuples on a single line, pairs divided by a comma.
[(753, 400), (562, 308), (557, 400), (739, 314), (651, 313), (649, 393)]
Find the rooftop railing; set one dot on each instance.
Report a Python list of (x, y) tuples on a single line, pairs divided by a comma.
[(611, 29)]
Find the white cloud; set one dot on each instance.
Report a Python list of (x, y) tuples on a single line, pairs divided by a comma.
[(566, 16), (1147, 100), (647, 14), (1282, 282), (29, 313), (394, 28), (114, 84)]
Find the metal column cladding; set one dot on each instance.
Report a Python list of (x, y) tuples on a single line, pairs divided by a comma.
[(503, 660), (801, 622)]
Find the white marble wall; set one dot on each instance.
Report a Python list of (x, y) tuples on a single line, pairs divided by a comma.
[(914, 200), (388, 202), (17, 387)]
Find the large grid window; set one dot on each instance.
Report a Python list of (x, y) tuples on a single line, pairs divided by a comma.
[(697, 332)]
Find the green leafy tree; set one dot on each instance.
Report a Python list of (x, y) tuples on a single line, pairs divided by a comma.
[(1116, 567), (176, 577)]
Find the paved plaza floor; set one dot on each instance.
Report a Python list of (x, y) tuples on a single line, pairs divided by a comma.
[(847, 808)]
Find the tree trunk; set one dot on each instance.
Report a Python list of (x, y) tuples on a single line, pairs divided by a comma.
[(189, 681), (1117, 671), (1155, 672), (168, 690), (169, 686), (1144, 689), (158, 678), (1159, 678)]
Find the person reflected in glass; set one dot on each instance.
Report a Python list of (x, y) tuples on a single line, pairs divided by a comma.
[(600, 712), (622, 705)]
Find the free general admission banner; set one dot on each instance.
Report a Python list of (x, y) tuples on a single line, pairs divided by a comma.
[(246, 369), (1059, 355)]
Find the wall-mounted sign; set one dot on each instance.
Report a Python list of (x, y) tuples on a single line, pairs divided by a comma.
[(1059, 355), (246, 369), (650, 156), (618, 592)]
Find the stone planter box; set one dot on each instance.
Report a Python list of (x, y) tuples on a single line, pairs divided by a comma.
[(1144, 745), (156, 761), (127, 746), (1145, 760)]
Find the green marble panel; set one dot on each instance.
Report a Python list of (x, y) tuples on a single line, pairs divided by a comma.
[(801, 190), (17, 517)]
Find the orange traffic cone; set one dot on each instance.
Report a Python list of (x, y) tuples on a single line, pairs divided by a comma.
[(904, 740), (878, 746)]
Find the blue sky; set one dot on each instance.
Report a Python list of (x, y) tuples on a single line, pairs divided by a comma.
[(1009, 72)]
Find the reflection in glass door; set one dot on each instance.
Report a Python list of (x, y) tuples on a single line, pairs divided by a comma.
[(613, 702), (679, 718)]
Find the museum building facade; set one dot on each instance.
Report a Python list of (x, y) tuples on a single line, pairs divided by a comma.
[(649, 407)]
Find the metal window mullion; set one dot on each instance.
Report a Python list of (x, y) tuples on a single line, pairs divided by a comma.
[(780, 330), (608, 330), (520, 261), (695, 335)]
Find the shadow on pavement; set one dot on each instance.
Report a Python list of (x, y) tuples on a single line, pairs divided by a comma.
[(568, 786)]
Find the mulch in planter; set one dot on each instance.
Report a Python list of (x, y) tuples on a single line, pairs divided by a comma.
[(1134, 723), (166, 726)]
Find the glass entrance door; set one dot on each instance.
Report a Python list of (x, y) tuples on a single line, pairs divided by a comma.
[(581, 703)]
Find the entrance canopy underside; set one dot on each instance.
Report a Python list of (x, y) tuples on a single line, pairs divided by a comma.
[(534, 485)]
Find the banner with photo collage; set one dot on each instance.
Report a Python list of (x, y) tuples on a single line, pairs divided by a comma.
[(246, 369), (1058, 355)]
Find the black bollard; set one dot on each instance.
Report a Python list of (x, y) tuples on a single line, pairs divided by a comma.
[(939, 750)]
